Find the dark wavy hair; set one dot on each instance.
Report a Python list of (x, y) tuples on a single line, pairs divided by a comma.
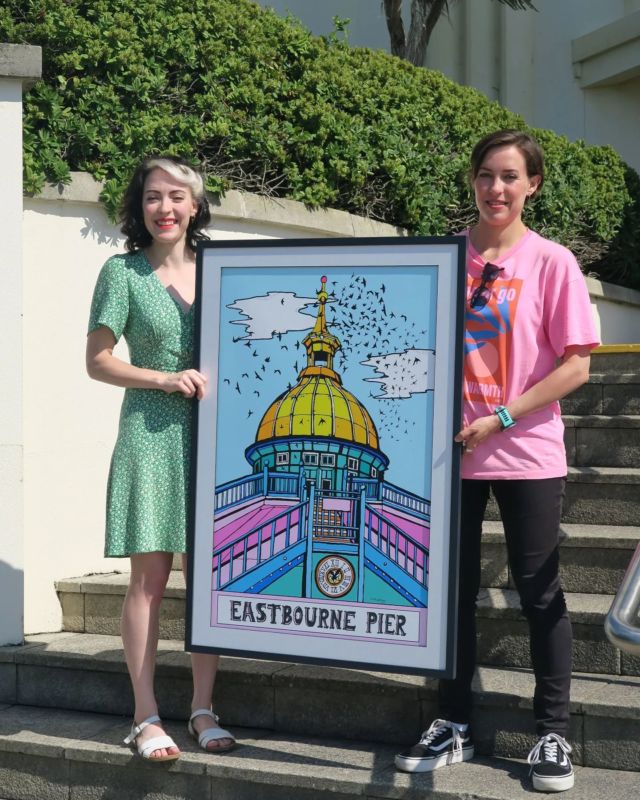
[(131, 218), (524, 142)]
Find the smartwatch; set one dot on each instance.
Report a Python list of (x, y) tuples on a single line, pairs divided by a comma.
[(506, 420)]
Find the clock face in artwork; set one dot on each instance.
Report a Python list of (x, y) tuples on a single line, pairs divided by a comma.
[(334, 576)]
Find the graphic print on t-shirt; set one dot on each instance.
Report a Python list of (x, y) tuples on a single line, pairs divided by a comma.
[(487, 346)]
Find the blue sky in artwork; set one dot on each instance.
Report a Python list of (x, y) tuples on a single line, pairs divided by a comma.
[(385, 318)]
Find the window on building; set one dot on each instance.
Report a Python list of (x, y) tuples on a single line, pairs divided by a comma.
[(311, 459), (282, 458), (327, 460), (326, 483), (374, 472), (353, 464)]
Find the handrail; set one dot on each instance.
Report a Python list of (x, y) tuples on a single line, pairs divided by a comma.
[(237, 491), (270, 522), (622, 623), (228, 555), (414, 553), (402, 498)]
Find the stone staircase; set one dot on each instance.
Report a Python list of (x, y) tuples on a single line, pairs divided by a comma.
[(310, 732)]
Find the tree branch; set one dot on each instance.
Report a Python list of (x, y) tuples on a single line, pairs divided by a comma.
[(395, 26), (424, 15)]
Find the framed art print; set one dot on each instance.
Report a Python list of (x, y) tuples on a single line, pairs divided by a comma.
[(325, 478)]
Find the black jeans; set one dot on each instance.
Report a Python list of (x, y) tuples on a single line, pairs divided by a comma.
[(530, 511)]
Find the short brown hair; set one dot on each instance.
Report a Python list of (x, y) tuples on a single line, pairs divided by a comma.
[(524, 142)]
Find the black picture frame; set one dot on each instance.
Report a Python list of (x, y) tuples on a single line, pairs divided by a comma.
[(313, 547)]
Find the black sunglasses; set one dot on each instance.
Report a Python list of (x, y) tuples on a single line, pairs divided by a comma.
[(482, 293)]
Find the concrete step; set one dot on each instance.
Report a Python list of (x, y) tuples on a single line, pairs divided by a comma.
[(503, 634), (93, 605), (603, 496), (598, 496), (593, 558), (606, 393), (56, 754), (616, 358), (75, 672), (608, 441)]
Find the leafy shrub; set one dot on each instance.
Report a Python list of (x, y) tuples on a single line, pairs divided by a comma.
[(265, 106)]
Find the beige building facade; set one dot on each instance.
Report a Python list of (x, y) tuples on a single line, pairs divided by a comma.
[(573, 66)]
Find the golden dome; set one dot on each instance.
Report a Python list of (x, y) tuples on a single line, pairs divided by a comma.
[(318, 406)]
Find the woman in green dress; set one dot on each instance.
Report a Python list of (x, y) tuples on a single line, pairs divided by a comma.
[(147, 295)]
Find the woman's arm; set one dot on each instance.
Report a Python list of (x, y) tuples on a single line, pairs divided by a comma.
[(102, 365), (571, 373)]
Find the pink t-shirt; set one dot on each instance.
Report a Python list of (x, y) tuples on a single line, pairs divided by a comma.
[(539, 306)]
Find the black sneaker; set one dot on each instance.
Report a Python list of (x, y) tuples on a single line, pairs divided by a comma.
[(550, 764), (443, 744)]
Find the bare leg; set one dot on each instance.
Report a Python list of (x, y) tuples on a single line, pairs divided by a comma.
[(139, 628), (204, 667)]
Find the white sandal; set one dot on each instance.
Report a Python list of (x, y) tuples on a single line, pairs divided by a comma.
[(151, 745), (210, 734)]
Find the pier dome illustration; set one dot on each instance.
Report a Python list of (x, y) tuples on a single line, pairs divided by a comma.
[(316, 517), (318, 424)]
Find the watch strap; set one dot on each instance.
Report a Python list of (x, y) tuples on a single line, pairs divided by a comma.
[(506, 420)]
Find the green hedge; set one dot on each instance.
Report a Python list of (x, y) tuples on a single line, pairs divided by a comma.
[(267, 107)]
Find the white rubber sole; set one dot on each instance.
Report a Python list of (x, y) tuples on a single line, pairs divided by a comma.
[(429, 764), (550, 784)]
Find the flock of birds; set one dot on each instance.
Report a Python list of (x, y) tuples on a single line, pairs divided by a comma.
[(358, 315)]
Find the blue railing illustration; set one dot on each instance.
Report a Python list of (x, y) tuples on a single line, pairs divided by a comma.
[(280, 484), (258, 545), (401, 498), (284, 484), (336, 515), (393, 496), (397, 546), (235, 492), (370, 485)]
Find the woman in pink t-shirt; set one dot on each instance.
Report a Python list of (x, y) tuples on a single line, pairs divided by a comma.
[(528, 336)]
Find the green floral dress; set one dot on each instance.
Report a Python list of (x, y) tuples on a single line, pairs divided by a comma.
[(149, 476)]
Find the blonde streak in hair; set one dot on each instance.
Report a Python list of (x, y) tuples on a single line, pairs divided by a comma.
[(181, 173)]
